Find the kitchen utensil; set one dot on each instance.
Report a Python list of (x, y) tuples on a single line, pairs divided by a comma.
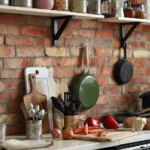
[(3, 127), (22, 3), (111, 136), (46, 4), (37, 98), (41, 113), (123, 70), (42, 86), (86, 86), (25, 111), (4, 2), (145, 99)]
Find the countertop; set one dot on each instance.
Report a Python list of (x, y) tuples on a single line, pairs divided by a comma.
[(60, 144)]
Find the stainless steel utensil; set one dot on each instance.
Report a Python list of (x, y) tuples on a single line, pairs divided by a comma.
[(22, 3), (4, 2)]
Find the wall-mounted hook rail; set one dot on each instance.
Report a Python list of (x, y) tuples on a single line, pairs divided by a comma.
[(57, 32), (123, 37)]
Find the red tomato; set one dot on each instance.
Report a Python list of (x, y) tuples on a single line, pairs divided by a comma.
[(67, 134), (110, 123)]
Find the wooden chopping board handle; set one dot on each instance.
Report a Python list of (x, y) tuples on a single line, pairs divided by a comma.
[(33, 82)]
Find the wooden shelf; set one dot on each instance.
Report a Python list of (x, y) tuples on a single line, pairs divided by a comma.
[(124, 20), (46, 12)]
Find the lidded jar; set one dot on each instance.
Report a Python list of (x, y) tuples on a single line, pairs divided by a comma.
[(79, 6), (44, 4), (61, 5), (94, 7)]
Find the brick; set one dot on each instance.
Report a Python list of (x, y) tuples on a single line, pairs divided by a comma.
[(147, 71), (110, 25), (106, 52), (75, 51), (45, 62), (72, 62), (1, 64), (139, 36), (98, 42), (90, 112), (2, 108), (74, 23), (14, 30), (67, 32), (34, 31), (141, 53), (131, 89), (98, 61), (30, 52), (18, 63), (111, 80), (103, 99), (146, 28), (1, 40), (138, 62), (11, 18), (140, 71), (123, 107), (112, 61), (63, 72), (4, 29), (111, 90), (147, 62), (11, 118), (17, 96), (19, 41), (7, 52), (83, 33), (115, 43), (43, 42), (15, 130), (1, 86), (74, 42), (119, 98), (90, 24), (13, 85), (14, 107), (11, 74), (36, 20), (145, 37), (120, 53), (136, 44), (148, 79), (104, 33), (57, 52), (102, 80), (4, 97), (104, 71), (139, 80)]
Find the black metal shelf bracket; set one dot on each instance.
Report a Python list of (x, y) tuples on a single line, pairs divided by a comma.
[(123, 37), (57, 32)]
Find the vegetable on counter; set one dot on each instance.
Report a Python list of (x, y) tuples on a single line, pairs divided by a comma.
[(67, 134), (110, 122), (56, 133), (92, 121)]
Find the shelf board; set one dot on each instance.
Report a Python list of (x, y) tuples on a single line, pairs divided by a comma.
[(46, 12), (124, 20)]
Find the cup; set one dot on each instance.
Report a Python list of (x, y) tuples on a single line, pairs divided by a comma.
[(2, 132), (34, 129), (71, 121)]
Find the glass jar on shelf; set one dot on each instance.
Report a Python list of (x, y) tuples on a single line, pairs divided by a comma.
[(108, 8), (94, 7), (61, 5), (147, 9), (79, 6)]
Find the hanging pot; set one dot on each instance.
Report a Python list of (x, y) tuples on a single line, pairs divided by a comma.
[(43, 4), (123, 70)]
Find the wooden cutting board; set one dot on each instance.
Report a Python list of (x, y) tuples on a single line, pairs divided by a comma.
[(54, 90), (42, 86), (37, 98), (111, 136)]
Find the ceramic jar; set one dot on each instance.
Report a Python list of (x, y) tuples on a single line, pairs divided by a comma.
[(44, 4)]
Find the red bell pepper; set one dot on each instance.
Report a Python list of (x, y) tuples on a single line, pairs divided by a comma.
[(92, 121), (110, 122)]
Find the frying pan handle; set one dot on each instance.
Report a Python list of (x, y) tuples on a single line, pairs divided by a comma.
[(33, 82), (125, 50), (86, 56)]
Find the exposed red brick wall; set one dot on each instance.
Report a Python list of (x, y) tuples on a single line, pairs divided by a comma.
[(26, 41)]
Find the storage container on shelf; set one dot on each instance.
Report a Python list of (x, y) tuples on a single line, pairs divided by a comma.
[(4, 2), (108, 8), (79, 6), (147, 8), (61, 5), (94, 7)]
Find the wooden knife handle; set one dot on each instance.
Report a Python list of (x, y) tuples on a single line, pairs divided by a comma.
[(86, 56)]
